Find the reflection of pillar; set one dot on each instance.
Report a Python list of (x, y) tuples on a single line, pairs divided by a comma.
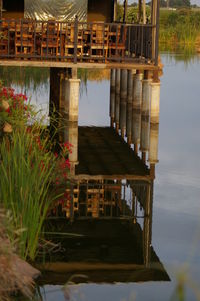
[(144, 136), (117, 97), (155, 102), (54, 89), (129, 106), (123, 101), (147, 229), (137, 90), (112, 96), (153, 148), (154, 119), (71, 104), (146, 96), (71, 136), (129, 123), (136, 129)]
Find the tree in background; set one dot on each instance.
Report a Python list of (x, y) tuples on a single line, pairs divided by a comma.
[(175, 3)]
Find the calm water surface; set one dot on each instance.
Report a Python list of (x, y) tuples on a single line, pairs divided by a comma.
[(176, 205)]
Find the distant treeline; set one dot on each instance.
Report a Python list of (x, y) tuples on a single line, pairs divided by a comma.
[(175, 3)]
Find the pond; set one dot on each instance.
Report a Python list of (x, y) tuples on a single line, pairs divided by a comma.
[(176, 197)]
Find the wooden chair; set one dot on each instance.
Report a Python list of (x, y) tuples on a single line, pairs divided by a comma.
[(24, 38), (99, 40), (117, 41), (70, 40), (50, 39), (4, 37)]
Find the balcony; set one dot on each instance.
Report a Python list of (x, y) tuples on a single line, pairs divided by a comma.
[(87, 44)]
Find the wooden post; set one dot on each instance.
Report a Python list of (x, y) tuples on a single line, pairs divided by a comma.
[(1, 7), (115, 11), (155, 30), (125, 11), (144, 11), (75, 39), (139, 10)]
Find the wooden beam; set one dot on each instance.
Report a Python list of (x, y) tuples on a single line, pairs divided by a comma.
[(50, 64)]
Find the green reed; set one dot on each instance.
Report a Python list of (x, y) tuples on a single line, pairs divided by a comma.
[(28, 169), (26, 176)]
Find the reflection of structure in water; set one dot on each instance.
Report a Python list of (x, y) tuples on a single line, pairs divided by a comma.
[(102, 157), (107, 234), (105, 198)]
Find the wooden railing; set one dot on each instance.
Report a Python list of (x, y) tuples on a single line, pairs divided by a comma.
[(75, 41)]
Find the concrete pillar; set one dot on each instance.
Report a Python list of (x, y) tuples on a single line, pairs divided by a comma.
[(146, 96), (112, 96), (137, 91), (117, 97), (155, 102), (153, 148), (123, 101), (71, 104), (136, 129)]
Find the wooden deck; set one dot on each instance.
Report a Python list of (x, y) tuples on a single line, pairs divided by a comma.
[(63, 44), (103, 154)]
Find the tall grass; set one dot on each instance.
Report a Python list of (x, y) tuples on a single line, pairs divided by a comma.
[(29, 170), (26, 175), (179, 27)]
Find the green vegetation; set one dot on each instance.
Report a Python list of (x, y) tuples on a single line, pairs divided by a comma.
[(29, 170), (179, 27)]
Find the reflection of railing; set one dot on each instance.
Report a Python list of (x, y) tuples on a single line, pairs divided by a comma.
[(75, 41), (105, 199)]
